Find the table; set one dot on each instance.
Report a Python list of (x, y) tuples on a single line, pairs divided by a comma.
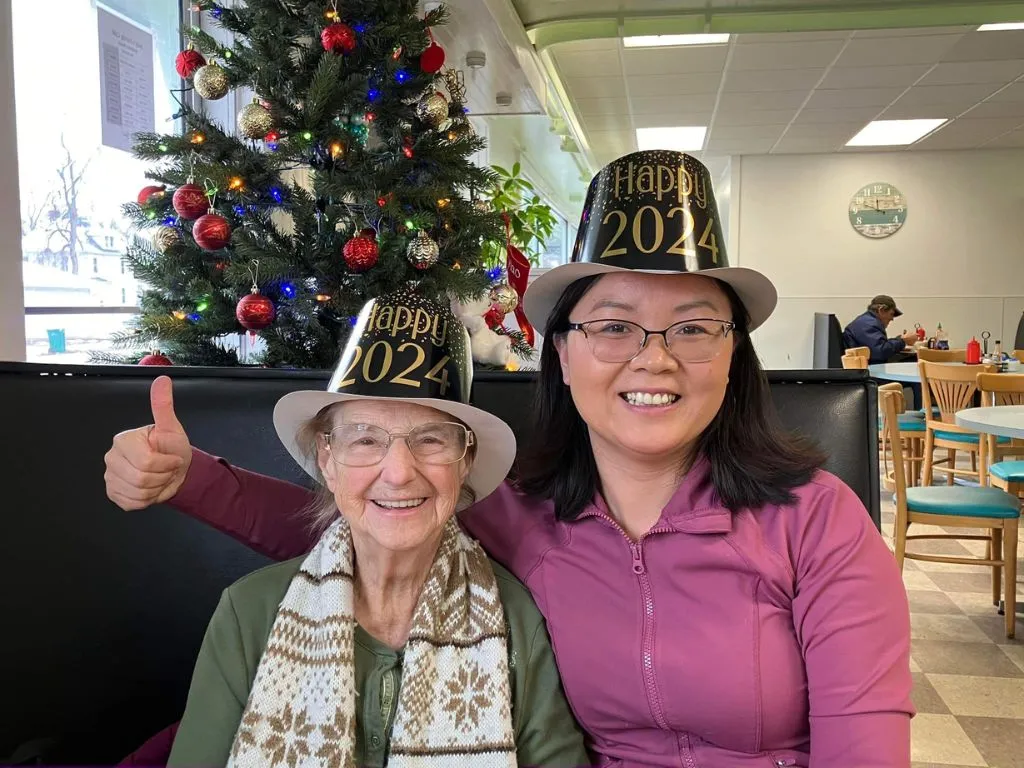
[(1001, 420), (905, 372)]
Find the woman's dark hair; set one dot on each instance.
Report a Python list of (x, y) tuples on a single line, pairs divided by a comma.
[(753, 460)]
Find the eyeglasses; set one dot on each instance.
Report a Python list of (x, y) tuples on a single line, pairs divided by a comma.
[(363, 445), (689, 341)]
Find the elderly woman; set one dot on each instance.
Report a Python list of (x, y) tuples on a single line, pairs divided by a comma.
[(742, 609), (391, 642)]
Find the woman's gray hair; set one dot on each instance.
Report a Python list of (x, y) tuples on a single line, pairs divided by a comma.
[(323, 509)]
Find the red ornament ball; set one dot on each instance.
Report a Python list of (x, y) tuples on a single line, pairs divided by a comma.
[(432, 59), (190, 201), (155, 358), (147, 194), (494, 317), (188, 61), (212, 232), (361, 251), (338, 38), (255, 312)]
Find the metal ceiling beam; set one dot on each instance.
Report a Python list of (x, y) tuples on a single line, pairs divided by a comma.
[(747, 20)]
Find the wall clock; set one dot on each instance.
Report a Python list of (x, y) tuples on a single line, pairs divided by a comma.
[(878, 210)]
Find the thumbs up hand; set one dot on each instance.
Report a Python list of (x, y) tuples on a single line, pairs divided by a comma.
[(148, 465)]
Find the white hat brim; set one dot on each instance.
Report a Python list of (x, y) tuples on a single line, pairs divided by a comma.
[(495, 441), (756, 291)]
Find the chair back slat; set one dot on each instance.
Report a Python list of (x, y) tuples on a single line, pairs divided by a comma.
[(942, 355), (1002, 388), (854, 362), (950, 388), (892, 406), (864, 352)]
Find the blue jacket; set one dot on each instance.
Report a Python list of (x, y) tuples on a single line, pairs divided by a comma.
[(867, 331)]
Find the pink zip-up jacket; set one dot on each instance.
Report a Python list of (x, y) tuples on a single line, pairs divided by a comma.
[(771, 637)]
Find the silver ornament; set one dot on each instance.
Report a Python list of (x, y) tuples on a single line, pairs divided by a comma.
[(211, 82), (166, 238), (432, 110), (504, 297), (255, 121), (422, 251)]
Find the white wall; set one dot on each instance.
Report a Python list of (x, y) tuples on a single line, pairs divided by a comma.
[(958, 259), (12, 297)]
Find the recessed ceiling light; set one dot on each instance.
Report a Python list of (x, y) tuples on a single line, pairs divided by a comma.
[(659, 41), (688, 138), (999, 27), (883, 133)]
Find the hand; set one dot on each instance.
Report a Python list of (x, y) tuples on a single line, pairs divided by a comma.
[(147, 466), (910, 339)]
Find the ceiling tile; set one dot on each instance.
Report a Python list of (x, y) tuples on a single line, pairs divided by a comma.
[(806, 146), (1013, 92), (956, 96), (911, 112), (965, 134), (768, 56), (964, 73), (997, 109), (731, 132), (790, 37), (754, 117), (669, 119), (1015, 139), (588, 64), (914, 31), (586, 107), (987, 46), (596, 87), (737, 102), (649, 105), (743, 81), (673, 85), (874, 77), (835, 131), (603, 44), (607, 123), (892, 51), (659, 61), (861, 115), (740, 146), (853, 97)]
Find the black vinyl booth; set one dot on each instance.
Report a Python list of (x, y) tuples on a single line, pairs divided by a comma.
[(104, 611)]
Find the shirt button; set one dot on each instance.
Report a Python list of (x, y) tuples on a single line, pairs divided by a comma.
[(375, 741)]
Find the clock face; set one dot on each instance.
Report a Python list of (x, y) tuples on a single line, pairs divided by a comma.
[(878, 210)]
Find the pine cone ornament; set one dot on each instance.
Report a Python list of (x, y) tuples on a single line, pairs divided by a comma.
[(423, 252)]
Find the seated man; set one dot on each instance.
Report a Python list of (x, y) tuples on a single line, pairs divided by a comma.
[(868, 330)]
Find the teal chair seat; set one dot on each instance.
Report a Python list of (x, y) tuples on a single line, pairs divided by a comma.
[(966, 437), (936, 413), (961, 501), (1010, 471), (907, 423)]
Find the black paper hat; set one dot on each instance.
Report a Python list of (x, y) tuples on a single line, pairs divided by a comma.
[(651, 212), (405, 347)]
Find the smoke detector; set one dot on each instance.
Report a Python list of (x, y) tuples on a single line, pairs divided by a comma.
[(476, 59), (503, 99)]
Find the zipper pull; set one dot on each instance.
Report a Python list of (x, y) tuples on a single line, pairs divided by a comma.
[(638, 558), (783, 763)]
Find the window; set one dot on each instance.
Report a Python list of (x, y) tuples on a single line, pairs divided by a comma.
[(72, 184)]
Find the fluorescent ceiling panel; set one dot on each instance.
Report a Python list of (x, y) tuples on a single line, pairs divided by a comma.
[(890, 133), (688, 138), (662, 41), (1001, 27)]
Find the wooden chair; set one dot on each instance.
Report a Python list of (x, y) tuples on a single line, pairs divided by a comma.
[(1019, 354), (956, 507), (855, 362), (952, 388), (911, 430), (942, 355), (1004, 389), (864, 352)]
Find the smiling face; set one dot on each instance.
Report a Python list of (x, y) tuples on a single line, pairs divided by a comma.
[(399, 504), (653, 407)]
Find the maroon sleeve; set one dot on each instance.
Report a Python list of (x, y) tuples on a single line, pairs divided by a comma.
[(155, 752), (259, 511)]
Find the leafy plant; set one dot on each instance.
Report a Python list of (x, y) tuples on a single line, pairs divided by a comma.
[(532, 221)]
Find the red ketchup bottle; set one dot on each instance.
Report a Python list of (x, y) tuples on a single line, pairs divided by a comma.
[(972, 356)]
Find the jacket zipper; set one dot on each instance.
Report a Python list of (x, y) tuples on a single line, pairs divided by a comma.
[(647, 641)]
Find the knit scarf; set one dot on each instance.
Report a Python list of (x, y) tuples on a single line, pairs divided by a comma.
[(454, 705)]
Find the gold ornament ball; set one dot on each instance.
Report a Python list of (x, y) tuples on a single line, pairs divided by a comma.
[(423, 252), (432, 109), (504, 297), (255, 121), (211, 82), (166, 238)]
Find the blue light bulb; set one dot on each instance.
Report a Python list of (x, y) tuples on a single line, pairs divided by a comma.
[(288, 290), (276, 194), (373, 94), (240, 210), (169, 221), (401, 76), (195, 317)]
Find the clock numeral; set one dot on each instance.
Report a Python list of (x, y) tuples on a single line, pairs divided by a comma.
[(895, 219), (900, 209), (860, 220)]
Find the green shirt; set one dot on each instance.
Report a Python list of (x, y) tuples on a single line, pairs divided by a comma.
[(546, 733)]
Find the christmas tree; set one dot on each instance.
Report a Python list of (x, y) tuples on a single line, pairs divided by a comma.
[(349, 177)]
